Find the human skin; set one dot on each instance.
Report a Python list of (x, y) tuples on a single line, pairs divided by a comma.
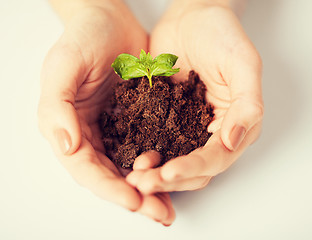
[(208, 38), (76, 81)]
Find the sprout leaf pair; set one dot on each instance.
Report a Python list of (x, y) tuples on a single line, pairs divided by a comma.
[(128, 66)]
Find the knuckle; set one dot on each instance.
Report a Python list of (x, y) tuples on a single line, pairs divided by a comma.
[(67, 95), (253, 109), (204, 182), (211, 166), (258, 111)]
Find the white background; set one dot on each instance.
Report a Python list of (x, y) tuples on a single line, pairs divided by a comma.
[(267, 194)]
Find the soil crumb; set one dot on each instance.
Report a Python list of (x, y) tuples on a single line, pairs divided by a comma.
[(171, 118)]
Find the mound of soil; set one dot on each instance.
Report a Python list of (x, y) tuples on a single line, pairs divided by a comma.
[(169, 118)]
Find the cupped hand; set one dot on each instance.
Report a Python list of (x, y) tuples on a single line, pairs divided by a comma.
[(76, 82), (209, 39)]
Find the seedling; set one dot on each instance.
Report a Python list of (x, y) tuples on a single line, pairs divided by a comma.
[(128, 66)]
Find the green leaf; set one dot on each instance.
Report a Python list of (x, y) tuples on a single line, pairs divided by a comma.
[(134, 71), (167, 59), (142, 55), (167, 73), (128, 66), (146, 59), (123, 63), (163, 65), (158, 69)]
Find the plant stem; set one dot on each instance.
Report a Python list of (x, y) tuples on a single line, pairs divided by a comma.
[(150, 81), (149, 76)]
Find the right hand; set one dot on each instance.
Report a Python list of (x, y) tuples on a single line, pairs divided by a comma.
[(208, 38), (75, 85)]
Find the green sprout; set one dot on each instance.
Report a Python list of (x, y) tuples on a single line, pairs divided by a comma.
[(128, 66)]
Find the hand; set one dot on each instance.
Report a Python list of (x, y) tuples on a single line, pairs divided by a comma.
[(76, 83), (208, 38)]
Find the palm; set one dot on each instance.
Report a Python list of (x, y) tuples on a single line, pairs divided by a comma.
[(97, 49), (80, 62), (209, 39), (207, 48)]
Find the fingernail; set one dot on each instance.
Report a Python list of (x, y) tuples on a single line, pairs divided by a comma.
[(64, 140), (237, 135), (166, 225)]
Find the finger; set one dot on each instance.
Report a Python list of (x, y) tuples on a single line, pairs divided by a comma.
[(150, 181), (142, 163), (209, 160), (62, 74), (165, 198), (246, 107), (89, 171), (158, 207), (191, 184), (146, 181), (59, 123), (147, 160), (134, 177), (206, 161)]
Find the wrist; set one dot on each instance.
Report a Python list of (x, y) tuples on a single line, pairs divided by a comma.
[(67, 9), (236, 6), (188, 3), (180, 7)]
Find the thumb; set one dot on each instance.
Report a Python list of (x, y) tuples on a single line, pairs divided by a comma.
[(242, 115), (59, 123), (62, 74), (246, 107)]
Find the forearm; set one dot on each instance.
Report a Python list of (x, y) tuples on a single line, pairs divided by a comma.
[(66, 9), (181, 5), (178, 4)]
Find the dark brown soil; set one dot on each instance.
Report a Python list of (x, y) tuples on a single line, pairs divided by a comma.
[(169, 118)]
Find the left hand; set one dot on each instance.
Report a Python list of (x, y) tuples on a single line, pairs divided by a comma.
[(76, 85), (209, 39)]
